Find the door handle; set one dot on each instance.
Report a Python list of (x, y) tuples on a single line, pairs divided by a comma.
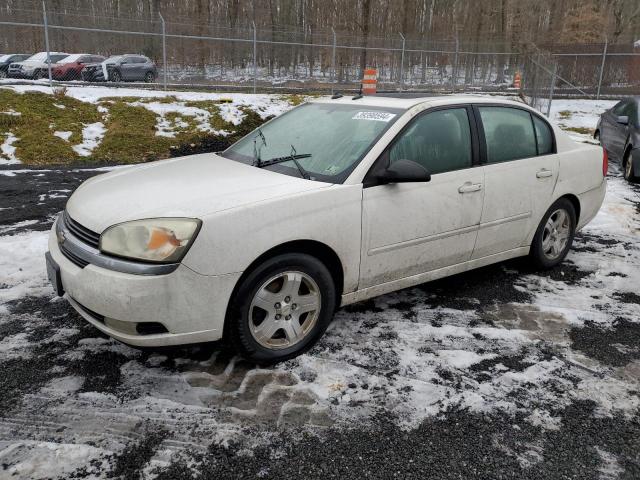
[(544, 173), (469, 187)]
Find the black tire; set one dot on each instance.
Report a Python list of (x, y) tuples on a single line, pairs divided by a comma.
[(596, 136), (237, 328), (627, 168), (3, 74), (115, 76), (149, 77), (537, 254), (38, 74)]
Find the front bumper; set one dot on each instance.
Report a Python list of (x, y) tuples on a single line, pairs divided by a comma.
[(190, 306)]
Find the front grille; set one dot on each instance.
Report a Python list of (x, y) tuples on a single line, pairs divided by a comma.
[(81, 233), (91, 313), (73, 258)]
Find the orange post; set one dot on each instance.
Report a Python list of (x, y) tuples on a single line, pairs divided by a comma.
[(369, 81), (517, 80)]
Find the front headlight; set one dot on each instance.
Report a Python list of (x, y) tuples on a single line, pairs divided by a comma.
[(162, 240)]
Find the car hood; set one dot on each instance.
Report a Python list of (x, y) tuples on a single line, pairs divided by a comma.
[(32, 64), (192, 186)]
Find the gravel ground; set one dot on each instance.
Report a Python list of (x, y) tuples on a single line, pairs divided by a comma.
[(502, 372)]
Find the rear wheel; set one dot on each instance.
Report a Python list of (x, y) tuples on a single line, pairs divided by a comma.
[(627, 164), (3, 74), (149, 77), (281, 308), (596, 136), (554, 235)]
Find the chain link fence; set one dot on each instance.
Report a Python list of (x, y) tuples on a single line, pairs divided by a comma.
[(184, 54)]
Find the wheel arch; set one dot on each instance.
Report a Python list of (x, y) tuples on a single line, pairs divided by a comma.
[(575, 201), (314, 248)]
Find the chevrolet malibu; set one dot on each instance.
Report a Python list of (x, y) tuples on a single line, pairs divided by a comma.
[(337, 201)]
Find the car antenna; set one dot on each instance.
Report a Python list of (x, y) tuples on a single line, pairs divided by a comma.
[(359, 95), (336, 95)]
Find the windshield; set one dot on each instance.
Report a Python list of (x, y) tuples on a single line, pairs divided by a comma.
[(38, 57), (334, 136), (4, 58), (70, 58)]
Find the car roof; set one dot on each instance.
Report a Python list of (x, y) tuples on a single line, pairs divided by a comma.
[(405, 103)]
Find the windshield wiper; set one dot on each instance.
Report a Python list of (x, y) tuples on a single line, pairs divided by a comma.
[(293, 157), (256, 151)]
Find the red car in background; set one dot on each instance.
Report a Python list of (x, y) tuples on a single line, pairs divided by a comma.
[(69, 68)]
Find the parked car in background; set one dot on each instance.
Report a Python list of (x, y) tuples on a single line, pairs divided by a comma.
[(331, 203), (69, 68), (36, 66), (7, 59), (618, 130), (118, 68)]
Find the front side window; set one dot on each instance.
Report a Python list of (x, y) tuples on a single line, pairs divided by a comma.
[(440, 141), (334, 136), (508, 132)]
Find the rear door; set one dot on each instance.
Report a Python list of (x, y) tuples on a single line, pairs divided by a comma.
[(520, 171), (412, 228)]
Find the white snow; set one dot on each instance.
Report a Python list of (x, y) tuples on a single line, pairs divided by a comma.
[(91, 136), (8, 151), (63, 135)]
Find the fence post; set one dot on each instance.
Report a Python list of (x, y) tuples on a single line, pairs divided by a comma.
[(454, 76), (551, 88), (255, 65), (402, 63), (46, 41), (164, 52), (333, 60), (604, 58)]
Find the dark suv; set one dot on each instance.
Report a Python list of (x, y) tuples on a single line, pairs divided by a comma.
[(5, 60), (122, 68), (619, 133)]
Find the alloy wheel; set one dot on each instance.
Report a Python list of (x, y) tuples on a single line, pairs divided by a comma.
[(555, 235), (628, 167), (284, 310)]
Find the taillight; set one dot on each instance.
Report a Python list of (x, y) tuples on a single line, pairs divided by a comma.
[(605, 162)]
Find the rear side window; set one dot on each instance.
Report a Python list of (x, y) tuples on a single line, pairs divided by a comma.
[(543, 136), (509, 134), (619, 108), (439, 141)]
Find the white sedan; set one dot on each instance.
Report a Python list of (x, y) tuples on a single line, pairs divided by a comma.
[(331, 203)]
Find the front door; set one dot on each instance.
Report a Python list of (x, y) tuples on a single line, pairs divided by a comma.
[(520, 174), (412, 228)]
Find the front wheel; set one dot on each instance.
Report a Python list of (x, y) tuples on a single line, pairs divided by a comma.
[(3, 74), (627, 163), (115, 76), (554, 235), (281, 308)]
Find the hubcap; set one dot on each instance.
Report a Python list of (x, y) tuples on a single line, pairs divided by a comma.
[(284, 310), (556, 234), (627, 167)]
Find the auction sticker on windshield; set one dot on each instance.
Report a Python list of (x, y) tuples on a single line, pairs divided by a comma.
[(376, 116)]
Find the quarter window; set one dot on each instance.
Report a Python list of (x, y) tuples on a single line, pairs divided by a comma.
[(508, 132), (439, 141), (543, 136)]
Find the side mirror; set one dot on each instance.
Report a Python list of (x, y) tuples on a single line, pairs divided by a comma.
[(623, 120), (404, 171)]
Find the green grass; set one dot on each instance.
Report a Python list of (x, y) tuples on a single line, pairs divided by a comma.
[(130, 129), (583, 130), (565, 114)]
